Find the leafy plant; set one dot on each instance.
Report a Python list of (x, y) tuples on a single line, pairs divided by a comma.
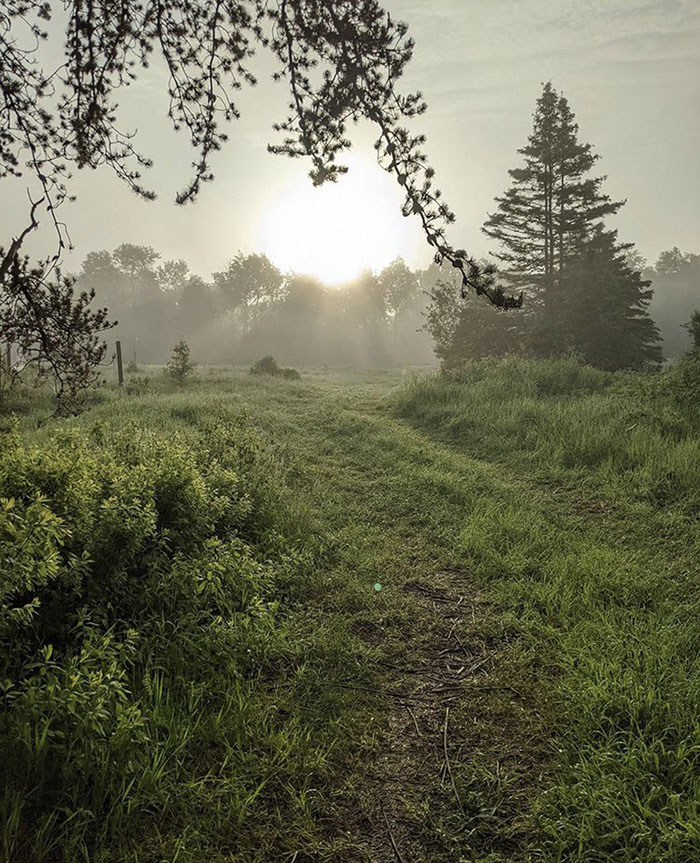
[(268, 366), (180, 366), (138, 595)]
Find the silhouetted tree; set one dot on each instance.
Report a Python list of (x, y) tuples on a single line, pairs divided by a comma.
[(129, 282), (550, 227), (100, 274), (71, 116), (361, 326), (195, 307), (399, 287), (173, 275), (676, 280), (250, 284), (606, 320), (551, 208), (469, 330)]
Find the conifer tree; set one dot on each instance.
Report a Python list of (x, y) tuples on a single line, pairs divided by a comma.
[(606, 320), (554, 245), (552, 207)]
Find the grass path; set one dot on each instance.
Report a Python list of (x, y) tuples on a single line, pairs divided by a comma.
[(559, 631), (455, 750), (526, 680)]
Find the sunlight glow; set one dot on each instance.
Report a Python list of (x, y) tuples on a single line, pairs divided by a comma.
[(338, 230)]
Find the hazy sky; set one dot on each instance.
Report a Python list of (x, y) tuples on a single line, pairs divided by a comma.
[(631, 72)]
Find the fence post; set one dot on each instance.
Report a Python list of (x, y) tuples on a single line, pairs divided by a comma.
[(120, 370)]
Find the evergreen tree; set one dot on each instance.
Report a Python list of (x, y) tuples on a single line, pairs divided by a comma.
[(606, 320), (180, 366), (552, 207), (195, 308), (553, 244)]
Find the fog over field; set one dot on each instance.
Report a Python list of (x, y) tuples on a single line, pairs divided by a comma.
[(349, 431)]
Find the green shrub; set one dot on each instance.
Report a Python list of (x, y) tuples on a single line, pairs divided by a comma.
[(140, 572), (686, 373), (180, 366), (268, 366)]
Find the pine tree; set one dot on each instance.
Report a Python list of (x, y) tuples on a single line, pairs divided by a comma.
[(551, 208), (180, 366), (550, 226), (606, 320)]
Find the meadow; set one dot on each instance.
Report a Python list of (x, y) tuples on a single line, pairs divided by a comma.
[(362, 616)]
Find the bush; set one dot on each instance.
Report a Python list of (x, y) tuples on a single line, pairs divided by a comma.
[(686, 374), (268, 366), (140, 572), (180, 367)]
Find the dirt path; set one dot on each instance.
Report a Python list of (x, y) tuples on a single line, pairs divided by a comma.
[(421, 800), (458, 747), (415, 763)]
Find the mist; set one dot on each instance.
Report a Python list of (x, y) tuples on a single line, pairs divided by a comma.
[(250, 309), (349, 431)]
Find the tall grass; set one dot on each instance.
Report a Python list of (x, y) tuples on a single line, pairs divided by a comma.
[(587, 538), (618, 434)]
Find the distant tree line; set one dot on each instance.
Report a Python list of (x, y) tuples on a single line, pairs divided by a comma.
[(675, 278), (398, 315), (250, 308), (585, 292)]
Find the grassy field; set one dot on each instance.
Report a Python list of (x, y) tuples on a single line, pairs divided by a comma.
[(358, 617)]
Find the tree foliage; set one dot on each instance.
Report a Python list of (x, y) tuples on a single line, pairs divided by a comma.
[(399, 287), (605, 318), (54, 332), (676, 280), (249, 285), (342, 60), (469, 330), (553, 243)]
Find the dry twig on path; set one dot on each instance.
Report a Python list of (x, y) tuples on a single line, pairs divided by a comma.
[(447, 758), (394, 846)]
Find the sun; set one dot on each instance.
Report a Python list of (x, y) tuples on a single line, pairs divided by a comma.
[(337, 230)]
